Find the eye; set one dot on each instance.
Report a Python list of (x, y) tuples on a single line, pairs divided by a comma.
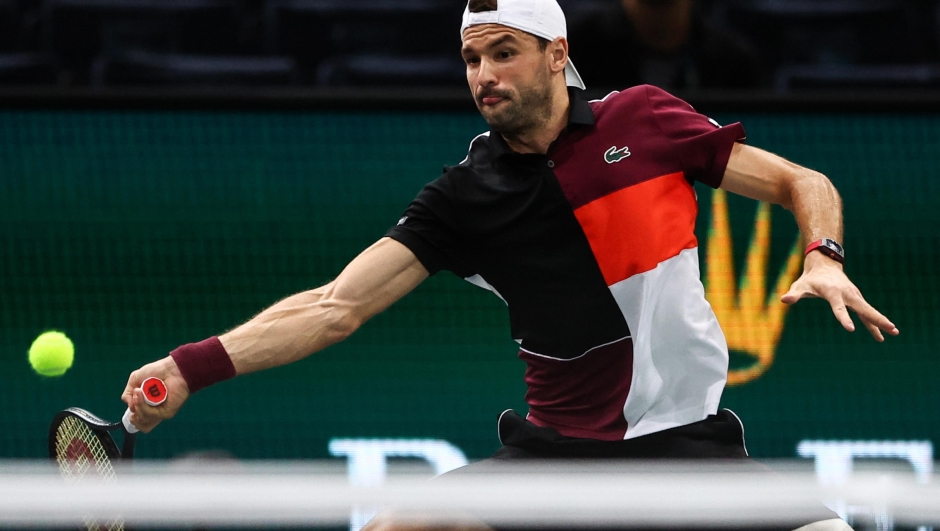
[(471, 60), (505, 54)]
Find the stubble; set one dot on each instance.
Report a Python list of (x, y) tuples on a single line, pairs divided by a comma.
[(529, 110)]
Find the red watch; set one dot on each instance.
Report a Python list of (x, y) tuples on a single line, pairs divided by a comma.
[(828, 247)]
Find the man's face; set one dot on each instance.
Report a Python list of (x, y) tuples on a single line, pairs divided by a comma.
[(509, 77)]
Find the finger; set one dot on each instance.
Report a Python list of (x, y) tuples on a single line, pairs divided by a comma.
[(874, 331), (789, 297), (796, 292), (877, 326), (842, 313), (870, 316), (132, 405), (127, 395), (144, 419)]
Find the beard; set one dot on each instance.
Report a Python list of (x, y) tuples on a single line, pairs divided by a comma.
[(518, 113)]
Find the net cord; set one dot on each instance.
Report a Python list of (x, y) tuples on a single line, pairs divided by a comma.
[(166, 497)]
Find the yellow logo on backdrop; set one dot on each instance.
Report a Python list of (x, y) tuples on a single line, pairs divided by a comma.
[(751, 319)]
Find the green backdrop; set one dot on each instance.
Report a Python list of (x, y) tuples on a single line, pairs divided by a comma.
[(136, 231)]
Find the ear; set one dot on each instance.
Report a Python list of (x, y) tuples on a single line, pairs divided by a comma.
[(558, 52)]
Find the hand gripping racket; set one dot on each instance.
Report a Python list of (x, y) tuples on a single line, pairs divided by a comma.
[(79, 439)]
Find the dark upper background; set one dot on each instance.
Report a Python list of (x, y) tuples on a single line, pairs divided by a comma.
[(681, 45)]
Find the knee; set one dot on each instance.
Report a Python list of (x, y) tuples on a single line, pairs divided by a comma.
[(834, 524)]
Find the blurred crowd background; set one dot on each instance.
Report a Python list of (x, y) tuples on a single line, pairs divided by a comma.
[(683, 45)]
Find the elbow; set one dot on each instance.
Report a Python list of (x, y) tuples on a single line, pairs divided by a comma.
[(786, 198), (341, 322), (805, 183), (823, 187)]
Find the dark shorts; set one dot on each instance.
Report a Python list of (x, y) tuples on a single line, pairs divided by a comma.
[(719, 438)]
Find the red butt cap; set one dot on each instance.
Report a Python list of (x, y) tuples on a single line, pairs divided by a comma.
[(154, 391), (203, 364)]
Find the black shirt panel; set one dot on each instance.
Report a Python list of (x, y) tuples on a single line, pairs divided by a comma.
[(506, 219), (432, 228)]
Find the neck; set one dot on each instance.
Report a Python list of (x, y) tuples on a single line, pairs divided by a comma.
[(537, 139)]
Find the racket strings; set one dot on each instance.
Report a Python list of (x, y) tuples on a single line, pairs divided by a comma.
[(79, 452), (92, 524)]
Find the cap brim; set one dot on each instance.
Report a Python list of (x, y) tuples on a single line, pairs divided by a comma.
[(572, 77)]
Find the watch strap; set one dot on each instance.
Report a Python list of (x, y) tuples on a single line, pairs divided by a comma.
[(828, 247)]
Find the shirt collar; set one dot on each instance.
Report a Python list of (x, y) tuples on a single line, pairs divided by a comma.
[(580, 113)]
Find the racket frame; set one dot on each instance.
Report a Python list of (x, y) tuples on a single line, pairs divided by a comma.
[(100, 427)]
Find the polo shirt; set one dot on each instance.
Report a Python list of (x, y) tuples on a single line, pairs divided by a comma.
[(592, 248)]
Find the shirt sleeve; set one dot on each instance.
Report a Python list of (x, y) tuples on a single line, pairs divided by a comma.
[(701, 144), (430, 228)]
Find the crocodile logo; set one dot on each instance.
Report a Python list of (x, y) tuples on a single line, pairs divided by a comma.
[(616, 155)]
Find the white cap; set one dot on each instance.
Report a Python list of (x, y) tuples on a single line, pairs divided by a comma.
[(542, 18)]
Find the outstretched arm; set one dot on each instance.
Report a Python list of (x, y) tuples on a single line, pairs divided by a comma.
[(817, 207), (295, 327), (311, 321)]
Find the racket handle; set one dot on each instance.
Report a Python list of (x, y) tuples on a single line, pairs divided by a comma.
[(154, 394), (126, 419)]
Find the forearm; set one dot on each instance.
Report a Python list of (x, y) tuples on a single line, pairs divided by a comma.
[(808, 194), (312, 320), (289, 331), (816, 205)]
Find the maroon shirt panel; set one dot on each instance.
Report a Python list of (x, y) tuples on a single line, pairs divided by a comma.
[(662, 133), (582, 397), (702, 146)]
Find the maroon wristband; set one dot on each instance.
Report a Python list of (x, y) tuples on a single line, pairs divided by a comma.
[(203, 364)]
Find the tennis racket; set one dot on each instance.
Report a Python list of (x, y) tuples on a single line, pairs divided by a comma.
[(79, 439), (82, 444)]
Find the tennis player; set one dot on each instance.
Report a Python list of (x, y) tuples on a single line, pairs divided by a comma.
[(580, 216)]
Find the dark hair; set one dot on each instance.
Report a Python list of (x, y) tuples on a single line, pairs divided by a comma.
[(478, 6)]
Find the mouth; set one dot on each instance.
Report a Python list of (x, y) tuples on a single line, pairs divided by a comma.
[(490, 98)]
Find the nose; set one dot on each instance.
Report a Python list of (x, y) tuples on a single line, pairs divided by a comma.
[(486, 73)]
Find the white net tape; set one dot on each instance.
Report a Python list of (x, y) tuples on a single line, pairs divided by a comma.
[(599, 494)]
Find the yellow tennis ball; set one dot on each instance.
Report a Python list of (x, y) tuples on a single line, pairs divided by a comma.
[(51, 354)]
